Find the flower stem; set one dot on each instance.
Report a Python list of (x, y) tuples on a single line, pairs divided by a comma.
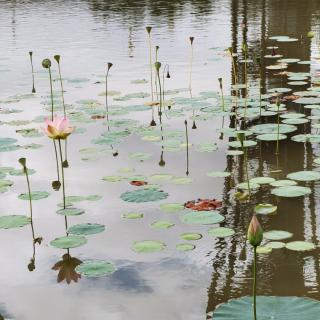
[(254, 288), (62, 173), (51, 94), (57, 163), (151, 71), (30, 200), (62, 94)]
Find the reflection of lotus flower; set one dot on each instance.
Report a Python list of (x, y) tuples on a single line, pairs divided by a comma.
[(59, 128), (66, 268), (255, 233)]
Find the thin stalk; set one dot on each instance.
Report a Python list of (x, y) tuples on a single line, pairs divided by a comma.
[(278, 129), (254, 288), (57, 163), (62, 91), (31, 61), (246, 168), (191, 62), (51, 93), (155, 80), (62, 174), (151, 71), (245, 80), (30, 200), (187, 148)]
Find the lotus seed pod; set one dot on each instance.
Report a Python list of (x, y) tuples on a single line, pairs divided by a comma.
[(149, 29), (57, 58), (157, 65), (191, 40), (46, 63)]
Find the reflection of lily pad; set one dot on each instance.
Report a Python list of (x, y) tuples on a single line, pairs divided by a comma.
[(203, 217), (147, 246), (13, 221), (269, 307), (95, 268), (144, 195), (86, 229), (66, 242)]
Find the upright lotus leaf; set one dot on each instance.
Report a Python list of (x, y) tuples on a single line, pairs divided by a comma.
[(269, 307), (95, 268), (144, 195)]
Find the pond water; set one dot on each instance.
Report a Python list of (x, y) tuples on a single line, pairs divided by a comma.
[(105, 153)]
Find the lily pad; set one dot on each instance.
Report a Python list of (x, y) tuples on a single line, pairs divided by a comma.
[(132, 215), (221, 232), (291, 191), (277, 235), (283, 183), (190, 236), (275, 245), (144, 195), (171, 207), (262, 180), (265, 208), (147, 246), (86, 229), (67, 242), (220, 174), (203, 217), (70, 212), (304, 176), (185, 246), (269, 307), (95, 268), (300, 246), (13, 221), (162, 224), (35, 195)]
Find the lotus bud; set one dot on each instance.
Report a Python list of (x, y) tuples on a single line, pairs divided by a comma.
[(23, 161), (149, 29), (46, 63), (109, 65), (220, 82), (57, 58), (194, 126), (157, 48), (157, 65), (310, 34), (191, 40), (255, 232), (30, 53), (152, 123)]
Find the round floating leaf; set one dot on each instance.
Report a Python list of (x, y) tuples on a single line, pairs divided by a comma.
[(262, 180), (300, 246), (35, 195), (6, 183), (244, 185), (70, 212), (275, 245), (139, 156), (67, 242), (283, 183), (144, 195), (277, 235), (234, 153), (263, 249), (20, 172), (112, 178), (185, 246), (221, 232), (311, 138), (272, 128), (161, 177), (246, 143), (132, 215), (147, 246), (181, 180), (291, 191), (162, 224), (86, 229), (265, 208), (304, 176), (95, 268), (13, 221), (191, 236), (269, 307), (171, 207), (271, 137), (220, 174), (203, 217)]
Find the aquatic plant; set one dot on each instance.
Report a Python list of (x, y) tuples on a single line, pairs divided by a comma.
[(191, 62), (31, 265), (221, 91), (148, 28), (241, 138), (255, 236), (187, 145), (32, 72)]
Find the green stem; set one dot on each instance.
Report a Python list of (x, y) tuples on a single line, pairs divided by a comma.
[(51, 94), (278, 131), (254, 288), (191, 61), (57, 162), (30, 201), (62, 94), (151, 71), (62, 173), (246, 167)]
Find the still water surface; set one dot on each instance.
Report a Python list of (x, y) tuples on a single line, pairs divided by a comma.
[(169, 284)]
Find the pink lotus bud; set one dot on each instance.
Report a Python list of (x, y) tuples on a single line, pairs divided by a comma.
[(255, 232)]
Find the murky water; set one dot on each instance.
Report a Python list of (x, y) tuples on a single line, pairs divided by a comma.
[(168, 284)]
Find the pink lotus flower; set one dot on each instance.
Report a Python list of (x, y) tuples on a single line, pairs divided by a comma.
[(59, 128)]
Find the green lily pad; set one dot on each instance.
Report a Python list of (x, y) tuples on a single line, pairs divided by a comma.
[(171, 207), (35, 195), (181, 180), (67, 242), (220, 174), (277, 235), (190, 236), (20, 172), (269, 307), (263, 250), (185, 246), (265, 208), (140, 156), (283, 183), (112, 178), (86, 229), (291, 191), (144, 195), (13, 221), (304, 176), (202, 217), (147, 246), (271, 137), (246, 144), (311, 138), (162, 224), (133, 215), (275, 245), (262, 180), (272, 128), (95, 268), (300, 246), (161, 177), (244, 185), (221, 232), (70, 212)]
